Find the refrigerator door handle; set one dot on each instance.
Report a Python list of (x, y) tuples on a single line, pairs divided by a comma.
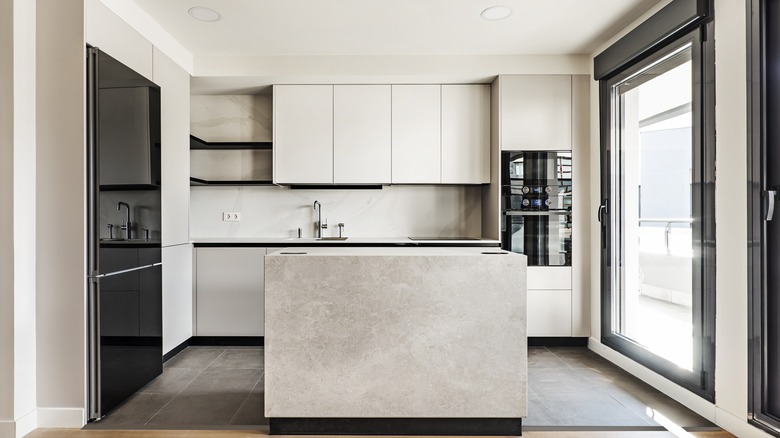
[(125, 271)]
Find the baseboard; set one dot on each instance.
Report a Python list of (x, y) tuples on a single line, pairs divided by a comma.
[(227, 341), (27, 423), (7, 429), (556, 341), (692, 401), (66, 418), (176, 350), (216, 341), (397, 426), (737, 426)]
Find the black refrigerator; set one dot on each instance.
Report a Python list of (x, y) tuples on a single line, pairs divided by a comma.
[(124, 251)]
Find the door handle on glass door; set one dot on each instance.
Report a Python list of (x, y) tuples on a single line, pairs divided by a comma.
[(771, 195), (602, 211)]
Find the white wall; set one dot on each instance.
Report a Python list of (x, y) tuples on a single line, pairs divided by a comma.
[(24, 216), (17, 229), (143, 23), (61, 215), (731, 372), (249, 74), (7, 426)]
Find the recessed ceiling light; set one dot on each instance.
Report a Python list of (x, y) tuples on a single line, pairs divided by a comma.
[(495, 13), (204, 14)]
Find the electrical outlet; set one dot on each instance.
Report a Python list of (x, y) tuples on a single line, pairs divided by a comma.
[(231, 217)]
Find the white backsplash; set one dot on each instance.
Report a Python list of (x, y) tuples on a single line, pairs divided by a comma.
[(231, 118), (394, 211)]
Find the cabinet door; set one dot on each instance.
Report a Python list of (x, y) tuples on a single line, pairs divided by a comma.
[(549, 312), (536, 112), (465, 134), (229, 291), (124, 136), (361, 134), (416, 134), (303, 134)]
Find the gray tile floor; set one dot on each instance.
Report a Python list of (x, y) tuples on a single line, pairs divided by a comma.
[(576, 387), (207, 387), (201, 386)]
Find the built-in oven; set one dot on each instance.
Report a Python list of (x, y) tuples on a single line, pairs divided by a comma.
[(536, 191)]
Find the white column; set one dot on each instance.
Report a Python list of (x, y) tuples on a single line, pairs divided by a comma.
[(60, 225), (17, 220)]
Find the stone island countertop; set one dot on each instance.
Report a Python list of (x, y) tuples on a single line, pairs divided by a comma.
[(377, 333)]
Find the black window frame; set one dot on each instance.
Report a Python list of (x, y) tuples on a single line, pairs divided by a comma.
[(759, 31), (679, 23)]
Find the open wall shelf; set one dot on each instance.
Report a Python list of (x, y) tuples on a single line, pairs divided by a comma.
[(198, 144), (202, 182)]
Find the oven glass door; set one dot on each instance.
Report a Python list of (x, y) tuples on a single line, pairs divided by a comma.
[(544, 237)]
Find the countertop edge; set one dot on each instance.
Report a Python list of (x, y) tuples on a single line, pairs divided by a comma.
[(284, 244)]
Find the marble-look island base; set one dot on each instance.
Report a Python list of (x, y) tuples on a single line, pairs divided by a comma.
[(395, 341)]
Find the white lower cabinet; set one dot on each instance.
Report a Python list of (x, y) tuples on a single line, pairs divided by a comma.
[(229, 291), (549, 312), (549, 301)]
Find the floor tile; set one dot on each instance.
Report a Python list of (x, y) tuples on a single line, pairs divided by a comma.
[(172, 380), (224, 381), (137, 410), (194, 357), (616, 381), (590, 409), (539, 414), (579, 357), (658, 409), (558, 380), (251, 412), (259, 388), (240, 358), (540, 357), (199, 410)]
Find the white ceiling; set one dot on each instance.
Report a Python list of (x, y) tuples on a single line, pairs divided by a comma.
[(394, 27)]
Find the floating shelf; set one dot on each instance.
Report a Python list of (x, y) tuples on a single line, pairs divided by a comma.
[(198, 144), (128, 187), (202, 182)]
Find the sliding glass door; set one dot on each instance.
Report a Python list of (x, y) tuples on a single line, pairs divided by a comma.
[(657, 215), (764, 216)]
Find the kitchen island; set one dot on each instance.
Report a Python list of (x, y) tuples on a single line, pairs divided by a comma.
[(407, 340)]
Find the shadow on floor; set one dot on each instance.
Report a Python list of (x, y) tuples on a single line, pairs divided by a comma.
[(199, 387), (571, 386), (208, 387)]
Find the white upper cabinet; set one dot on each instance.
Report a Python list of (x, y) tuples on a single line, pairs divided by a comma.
[(361, 134), (416, 134), (465, 134), (303, 134), (381, 134), (536, 112)]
